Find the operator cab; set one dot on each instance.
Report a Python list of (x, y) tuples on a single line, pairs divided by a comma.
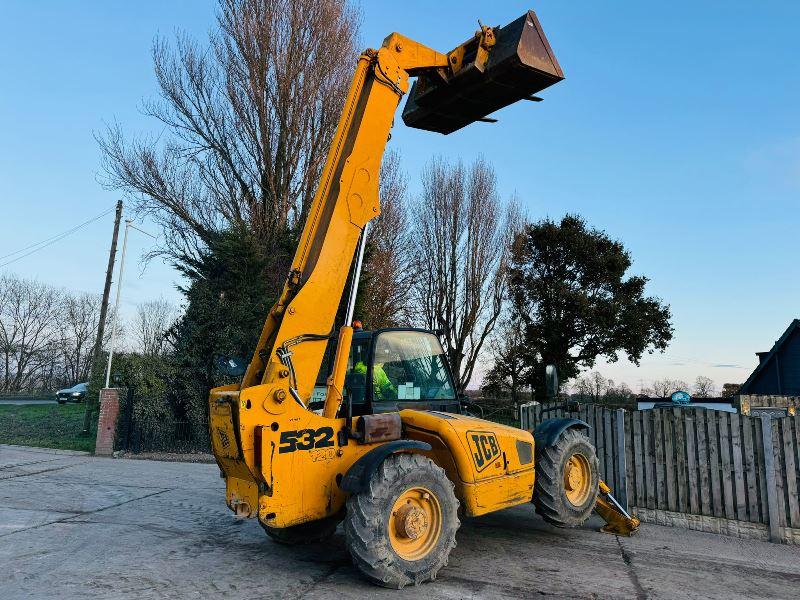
[(392, 369)]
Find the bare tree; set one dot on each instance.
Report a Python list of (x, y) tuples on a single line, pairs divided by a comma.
[(29, 313), (664, 388), (704, 387), (592, 386), (387, 277), (618, 392), (582, 387), (153, 321), (596, 388), (77, 331), (247, 120), (508, 372), (462, 235), (599, 385)]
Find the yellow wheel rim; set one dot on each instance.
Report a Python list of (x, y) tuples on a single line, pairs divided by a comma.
[(415, 523), (577, 479)]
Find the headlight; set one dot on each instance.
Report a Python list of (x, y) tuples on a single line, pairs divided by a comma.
[(74, 394)]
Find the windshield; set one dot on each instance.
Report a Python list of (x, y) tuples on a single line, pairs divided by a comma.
[(410, 365)]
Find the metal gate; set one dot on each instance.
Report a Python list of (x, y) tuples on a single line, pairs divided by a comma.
[(138, 435)]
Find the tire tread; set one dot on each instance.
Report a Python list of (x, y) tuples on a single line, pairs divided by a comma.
[(371, 550), (548, 491)]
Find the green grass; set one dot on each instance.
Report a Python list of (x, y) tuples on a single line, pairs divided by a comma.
[(46, 426)]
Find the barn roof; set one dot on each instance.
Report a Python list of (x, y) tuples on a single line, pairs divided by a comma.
[(766, 357)]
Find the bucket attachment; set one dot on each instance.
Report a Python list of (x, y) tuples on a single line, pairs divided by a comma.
[(494, 69)]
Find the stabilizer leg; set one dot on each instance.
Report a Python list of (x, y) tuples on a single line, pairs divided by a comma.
[(618, 521)]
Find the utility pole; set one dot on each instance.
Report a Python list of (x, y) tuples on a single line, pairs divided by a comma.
[(116, 304), (98, 343), (128, 225)]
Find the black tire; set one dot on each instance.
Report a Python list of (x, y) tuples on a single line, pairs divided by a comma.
[(549, 490), (61, 401), (305, 533), (366, 524)]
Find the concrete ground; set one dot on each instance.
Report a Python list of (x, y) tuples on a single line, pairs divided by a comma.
[(74, 526)]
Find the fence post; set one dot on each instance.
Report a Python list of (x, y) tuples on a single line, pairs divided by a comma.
[(772, 485), (620, 459), (525, 413)]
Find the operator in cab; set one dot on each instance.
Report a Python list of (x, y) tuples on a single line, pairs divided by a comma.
[(383, 388)]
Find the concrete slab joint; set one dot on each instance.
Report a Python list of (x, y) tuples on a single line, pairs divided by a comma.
[(107, 422)]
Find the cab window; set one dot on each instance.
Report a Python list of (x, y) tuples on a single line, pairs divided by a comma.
[(408, 366)]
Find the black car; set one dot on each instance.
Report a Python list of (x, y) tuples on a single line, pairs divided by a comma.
[(74, 394)]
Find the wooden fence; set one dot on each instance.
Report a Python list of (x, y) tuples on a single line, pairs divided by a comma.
[(697, 461), (606, 432)]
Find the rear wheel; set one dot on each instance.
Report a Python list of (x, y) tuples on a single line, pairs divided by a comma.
[(305, 533), (401, 529), (567, 479)]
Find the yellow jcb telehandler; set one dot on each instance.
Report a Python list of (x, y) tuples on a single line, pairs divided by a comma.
[(390, 452)]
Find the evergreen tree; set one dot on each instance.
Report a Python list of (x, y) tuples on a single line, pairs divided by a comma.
[(569, 284), (231, 289)]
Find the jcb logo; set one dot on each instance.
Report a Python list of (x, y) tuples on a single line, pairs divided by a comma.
[(484, 448)]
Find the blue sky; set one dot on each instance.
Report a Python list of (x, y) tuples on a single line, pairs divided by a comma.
[(676, 130)]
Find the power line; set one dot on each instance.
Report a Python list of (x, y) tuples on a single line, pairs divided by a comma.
[(33, 248), (59, 236)]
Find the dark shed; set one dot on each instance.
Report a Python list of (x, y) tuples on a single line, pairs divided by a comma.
[(778, 371)]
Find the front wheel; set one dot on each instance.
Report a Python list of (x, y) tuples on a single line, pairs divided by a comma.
[(401, 529), (567, 480)]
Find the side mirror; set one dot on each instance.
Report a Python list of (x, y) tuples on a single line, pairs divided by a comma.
[(470, 408), (551, 380), (232, 366)]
